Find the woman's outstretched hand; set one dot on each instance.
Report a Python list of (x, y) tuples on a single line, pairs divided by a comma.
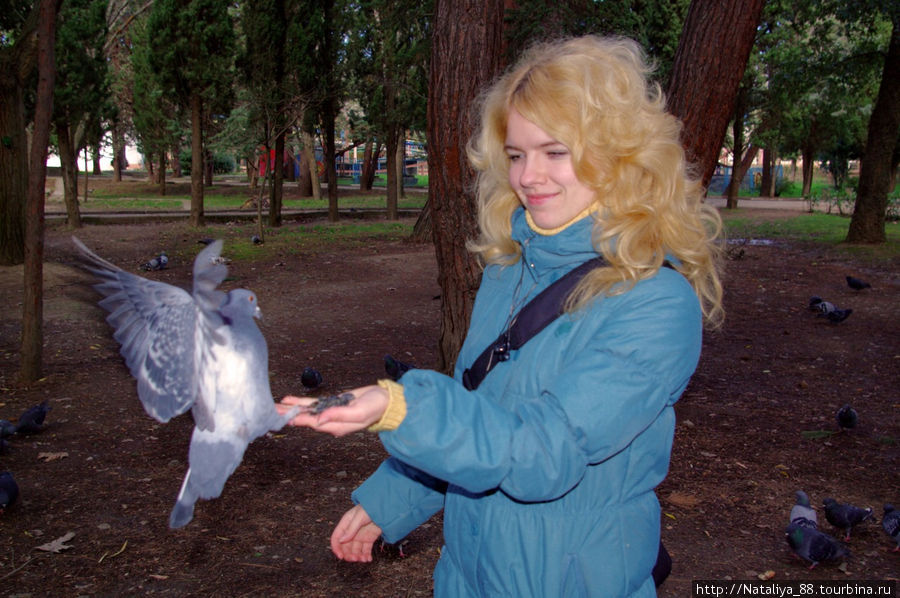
[(366, 408), (354, 536)]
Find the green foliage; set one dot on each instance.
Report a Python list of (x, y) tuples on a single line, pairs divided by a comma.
[(222, 163), (81, 90)]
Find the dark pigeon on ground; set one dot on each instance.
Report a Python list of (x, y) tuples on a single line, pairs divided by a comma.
[(395, 368), (836, 316), (857, 284), (846, 417), (32, 420), (157, 263), (814, 546), (256, 240), (9, 490), (200, 351), (891, 524), (7, 428), (802, 512), (845, 516), (311, 378)]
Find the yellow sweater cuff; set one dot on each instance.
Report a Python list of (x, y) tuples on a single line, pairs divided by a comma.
[(396, 410)]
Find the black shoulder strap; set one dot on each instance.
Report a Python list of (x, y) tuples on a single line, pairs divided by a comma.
[(531, 319)]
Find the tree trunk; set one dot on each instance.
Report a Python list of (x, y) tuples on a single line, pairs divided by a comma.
[(209, 167), (706, 74), (309, 149), (393, 185), (277, 193), (366, 166), (329, 114), (401, 165), (95, 155), (467, 50), (69, 166), (768, 164), (118, 143), (734, 183), (304, 178), (867, 223), (33, 291), (162, 172), (196, 160), (371, 167)]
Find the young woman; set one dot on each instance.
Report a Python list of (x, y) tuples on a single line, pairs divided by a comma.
[(546, 471)]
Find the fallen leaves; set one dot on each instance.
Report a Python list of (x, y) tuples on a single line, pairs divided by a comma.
[(48, 457), (57, 545)]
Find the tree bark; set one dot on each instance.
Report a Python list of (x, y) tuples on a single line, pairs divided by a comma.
[(767, 186), (867, 223), (309, 149), (196, 160), (69, 167), (277, 193), (706, 74), (16, 65), (118, 143), (33, 295), (467, 50), (393, 184), (161, 176)]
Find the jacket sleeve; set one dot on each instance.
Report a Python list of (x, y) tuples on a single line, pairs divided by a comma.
[(399, 498), (607, 391)]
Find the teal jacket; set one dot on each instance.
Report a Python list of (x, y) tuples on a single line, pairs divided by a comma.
[(546, 472)]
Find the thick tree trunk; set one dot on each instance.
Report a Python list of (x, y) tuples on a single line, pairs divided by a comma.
[(196, 160), (467, 50), (867, 223), (33, 292), (706, 74), (366, 167)]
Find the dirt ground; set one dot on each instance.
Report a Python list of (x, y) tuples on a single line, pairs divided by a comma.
[(746, 438)]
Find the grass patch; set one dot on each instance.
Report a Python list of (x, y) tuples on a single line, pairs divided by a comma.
[(827, 229)]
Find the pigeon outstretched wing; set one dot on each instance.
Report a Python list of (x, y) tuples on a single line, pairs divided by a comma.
[(165, 332)]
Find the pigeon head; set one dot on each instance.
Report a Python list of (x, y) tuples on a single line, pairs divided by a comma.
[(241, 303), (802, 498)]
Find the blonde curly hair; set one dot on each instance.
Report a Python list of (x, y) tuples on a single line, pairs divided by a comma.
[(593, 95)]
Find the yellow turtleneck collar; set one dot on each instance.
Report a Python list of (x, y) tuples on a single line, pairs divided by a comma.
[(552, 231)]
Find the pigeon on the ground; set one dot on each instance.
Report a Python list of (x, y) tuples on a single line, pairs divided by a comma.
[(32, 419), (817, 304), (802, 512), (157, 263), (857, 284), (9, 490), (836, 316), (396, 368), (311, 378), (891, 524), (845, 516), (814, 546), (200, 351), (846, 417), (256, 240), (7, 428)]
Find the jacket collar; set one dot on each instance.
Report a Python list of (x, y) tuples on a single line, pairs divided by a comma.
[(561, 249)]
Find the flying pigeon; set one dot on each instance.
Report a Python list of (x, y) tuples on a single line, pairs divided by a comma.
[(396, 368), (311, 378), (157, 263), (857, 284), (846, 417), (200, 351), (32, 419), (9, 490), (891, 524), (845, 516), (802, 513), (814, 546)]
